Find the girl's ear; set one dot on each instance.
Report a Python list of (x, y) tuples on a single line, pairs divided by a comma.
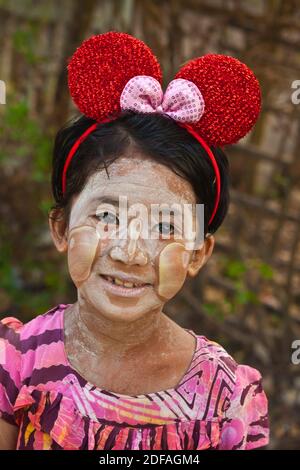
[(201, 256), (59, 230)]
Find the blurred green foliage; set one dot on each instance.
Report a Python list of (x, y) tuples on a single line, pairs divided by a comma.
[(32, 277), (237, 272)]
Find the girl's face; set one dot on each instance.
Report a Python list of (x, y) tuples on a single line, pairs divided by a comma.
[(124, 257)]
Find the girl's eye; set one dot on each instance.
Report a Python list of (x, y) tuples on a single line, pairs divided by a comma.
[(165, 228), (107, 218)]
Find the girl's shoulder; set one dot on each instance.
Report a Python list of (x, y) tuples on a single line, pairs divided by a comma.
[(48, 320), (24, 348), (215, 356), (235, 393), (22, 344), (224, 376), (222, 363)]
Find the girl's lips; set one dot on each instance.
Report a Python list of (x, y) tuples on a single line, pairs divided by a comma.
[(123, 291)]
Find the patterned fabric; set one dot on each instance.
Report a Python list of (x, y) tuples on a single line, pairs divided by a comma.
[(218, 404), (182, 100)]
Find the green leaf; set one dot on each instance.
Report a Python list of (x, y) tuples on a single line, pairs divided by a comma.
[(235, 269), (266, 271)]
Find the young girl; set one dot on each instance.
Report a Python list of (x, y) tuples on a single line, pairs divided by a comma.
[(112, 370)]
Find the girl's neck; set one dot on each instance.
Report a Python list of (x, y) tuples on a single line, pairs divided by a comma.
[(94, 333)]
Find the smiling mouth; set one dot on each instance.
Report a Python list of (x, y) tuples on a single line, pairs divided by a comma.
[(116, 281)]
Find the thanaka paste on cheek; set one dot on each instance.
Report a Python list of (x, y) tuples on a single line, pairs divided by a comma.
[(83, 246), (172, 269)]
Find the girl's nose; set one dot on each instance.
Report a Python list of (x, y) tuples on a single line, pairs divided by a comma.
[(129, 251)]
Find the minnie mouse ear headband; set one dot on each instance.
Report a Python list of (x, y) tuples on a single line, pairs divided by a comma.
[(215, 97)]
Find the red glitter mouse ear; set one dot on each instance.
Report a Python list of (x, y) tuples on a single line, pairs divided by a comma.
[(231, 95), (100, 68)]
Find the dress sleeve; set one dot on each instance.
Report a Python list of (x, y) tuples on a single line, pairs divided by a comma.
[(246, 425), (10, 365)]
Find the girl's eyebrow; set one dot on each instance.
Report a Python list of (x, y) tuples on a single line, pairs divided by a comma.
[(107, 199), (115, 201)]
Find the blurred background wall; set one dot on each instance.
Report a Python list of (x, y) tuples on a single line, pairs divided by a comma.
[(247, 296)]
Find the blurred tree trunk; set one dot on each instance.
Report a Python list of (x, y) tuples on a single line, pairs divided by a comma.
[(76, 29)]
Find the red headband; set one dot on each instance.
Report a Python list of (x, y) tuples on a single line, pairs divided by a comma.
[(215, 97)]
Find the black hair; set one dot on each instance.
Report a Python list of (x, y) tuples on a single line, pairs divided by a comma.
[(157, 136)]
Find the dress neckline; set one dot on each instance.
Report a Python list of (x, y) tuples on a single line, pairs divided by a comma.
[(89, 385)]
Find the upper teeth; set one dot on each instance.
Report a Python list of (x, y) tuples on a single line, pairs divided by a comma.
[(119, 282)]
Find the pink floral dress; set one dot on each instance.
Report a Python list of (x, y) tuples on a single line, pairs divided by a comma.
[(218, 404)]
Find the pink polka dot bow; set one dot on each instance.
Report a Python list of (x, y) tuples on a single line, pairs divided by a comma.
[(182, 100)]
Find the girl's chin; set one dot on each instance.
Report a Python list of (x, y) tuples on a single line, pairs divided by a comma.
[(120, 311)]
